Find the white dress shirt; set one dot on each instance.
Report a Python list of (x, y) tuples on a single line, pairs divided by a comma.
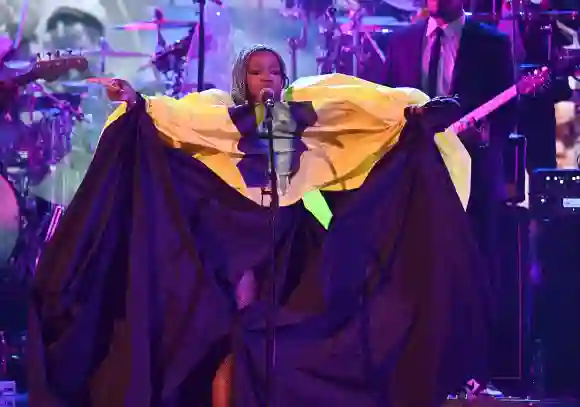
[(449, 48)]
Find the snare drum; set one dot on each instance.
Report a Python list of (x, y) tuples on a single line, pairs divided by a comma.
[(10, 219)]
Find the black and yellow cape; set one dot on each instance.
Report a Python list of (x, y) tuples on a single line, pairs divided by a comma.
[(133, 301)]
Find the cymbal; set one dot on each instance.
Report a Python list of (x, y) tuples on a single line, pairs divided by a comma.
[(110, 53), (154, 25), (370, 24)]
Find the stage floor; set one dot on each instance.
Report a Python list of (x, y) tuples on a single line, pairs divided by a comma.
[(21, 400)]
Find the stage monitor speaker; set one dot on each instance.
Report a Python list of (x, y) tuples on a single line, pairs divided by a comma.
[(556, 320), (508, 331), (555, 193)]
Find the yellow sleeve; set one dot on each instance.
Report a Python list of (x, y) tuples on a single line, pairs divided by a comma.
[(455, 156), (199, 120), (359, 122), (200, 125)]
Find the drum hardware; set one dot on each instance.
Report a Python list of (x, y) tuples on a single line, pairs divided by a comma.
[(11, 218), (55, 130), (54, 220), (106, 51), (35, 146), (47, 101), (355, 29), (170, 62), (52, 133), (331, 33), (156, 24), (50, 227), (296, 43), (350, 46), (370, 24), (201, 42)]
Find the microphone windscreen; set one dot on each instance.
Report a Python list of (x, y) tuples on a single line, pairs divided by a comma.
[(266, 94)]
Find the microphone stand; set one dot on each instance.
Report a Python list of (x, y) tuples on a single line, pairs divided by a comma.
[(201, 39), (271, 279)]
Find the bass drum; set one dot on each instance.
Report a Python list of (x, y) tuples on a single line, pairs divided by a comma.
[(10, 219)]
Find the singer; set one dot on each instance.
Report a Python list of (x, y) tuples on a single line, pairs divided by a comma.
[(155, 274)]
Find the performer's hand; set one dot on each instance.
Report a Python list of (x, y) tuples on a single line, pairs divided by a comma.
[(119, 90), (435, 115), (476, 134)]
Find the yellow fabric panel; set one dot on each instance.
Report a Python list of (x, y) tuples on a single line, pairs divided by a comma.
[(358, 122)]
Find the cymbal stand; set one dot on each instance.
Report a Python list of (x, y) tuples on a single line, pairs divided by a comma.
[(104, 46), (330, 30), (178, 74), (201, 39), (356, 19), (55, 217), (296, 43), (171, 63)]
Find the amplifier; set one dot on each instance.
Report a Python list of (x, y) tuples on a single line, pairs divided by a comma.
[(7, 388), (555, 193)]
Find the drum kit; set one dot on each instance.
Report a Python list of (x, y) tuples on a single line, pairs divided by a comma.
[(353, 36), (35, 134), (355, 32)]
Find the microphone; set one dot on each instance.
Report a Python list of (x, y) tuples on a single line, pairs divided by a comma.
[(267, 97)]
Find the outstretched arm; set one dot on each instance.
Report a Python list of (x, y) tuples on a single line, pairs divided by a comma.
[(197, 121), (358, 122)]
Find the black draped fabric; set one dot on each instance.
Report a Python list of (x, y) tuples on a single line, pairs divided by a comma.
[(133, 302)]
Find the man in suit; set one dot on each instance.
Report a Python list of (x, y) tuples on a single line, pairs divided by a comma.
[(449, 54)]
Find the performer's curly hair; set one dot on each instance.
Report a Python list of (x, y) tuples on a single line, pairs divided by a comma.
[(239, 87)]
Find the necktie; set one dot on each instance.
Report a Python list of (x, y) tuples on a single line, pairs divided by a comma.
[(434, 63)]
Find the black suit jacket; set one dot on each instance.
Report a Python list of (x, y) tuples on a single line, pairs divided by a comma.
[(483, 69)]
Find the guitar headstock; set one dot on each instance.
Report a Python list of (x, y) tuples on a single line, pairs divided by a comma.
[(534, 81), (52, 66)]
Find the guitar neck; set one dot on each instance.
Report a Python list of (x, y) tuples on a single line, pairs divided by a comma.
[(482, 111)]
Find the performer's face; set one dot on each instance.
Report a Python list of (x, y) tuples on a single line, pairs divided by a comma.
[(264, 71)]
